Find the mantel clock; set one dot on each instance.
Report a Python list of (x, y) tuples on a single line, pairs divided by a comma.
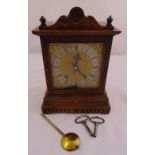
[(76, 51)]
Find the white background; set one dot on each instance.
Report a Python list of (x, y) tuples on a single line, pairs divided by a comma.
[(14, 77), (100, 9)]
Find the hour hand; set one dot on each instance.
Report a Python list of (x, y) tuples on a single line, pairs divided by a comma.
[(77, 57)]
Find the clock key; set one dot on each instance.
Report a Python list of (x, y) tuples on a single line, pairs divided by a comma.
[(82, 119), (96, 121)]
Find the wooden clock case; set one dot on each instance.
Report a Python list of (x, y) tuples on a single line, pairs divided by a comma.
[(76, 28)]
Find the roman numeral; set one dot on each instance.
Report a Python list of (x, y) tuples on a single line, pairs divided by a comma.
[(91, 75), (59, 75), (95, 66), (94, 57), (76, 47), (57, 57), (56, 66)]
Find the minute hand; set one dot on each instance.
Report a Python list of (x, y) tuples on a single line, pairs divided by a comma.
[(81, 73)]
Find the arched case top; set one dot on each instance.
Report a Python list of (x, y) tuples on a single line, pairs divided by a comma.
[(74, 23)]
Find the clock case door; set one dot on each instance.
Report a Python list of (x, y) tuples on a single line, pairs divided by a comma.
[(79, 29)]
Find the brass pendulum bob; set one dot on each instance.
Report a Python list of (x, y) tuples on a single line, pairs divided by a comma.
[(69, 141)]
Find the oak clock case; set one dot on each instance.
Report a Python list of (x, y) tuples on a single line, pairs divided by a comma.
[(76, 51)]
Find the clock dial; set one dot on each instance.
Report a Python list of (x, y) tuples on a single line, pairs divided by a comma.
[(76, 64)]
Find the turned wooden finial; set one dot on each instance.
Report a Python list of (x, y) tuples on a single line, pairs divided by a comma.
[(43, 21), (109, 21)]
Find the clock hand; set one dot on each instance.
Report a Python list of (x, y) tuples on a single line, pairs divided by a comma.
[(81, 73), (76, 69), (74, 64), (77, 57)]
